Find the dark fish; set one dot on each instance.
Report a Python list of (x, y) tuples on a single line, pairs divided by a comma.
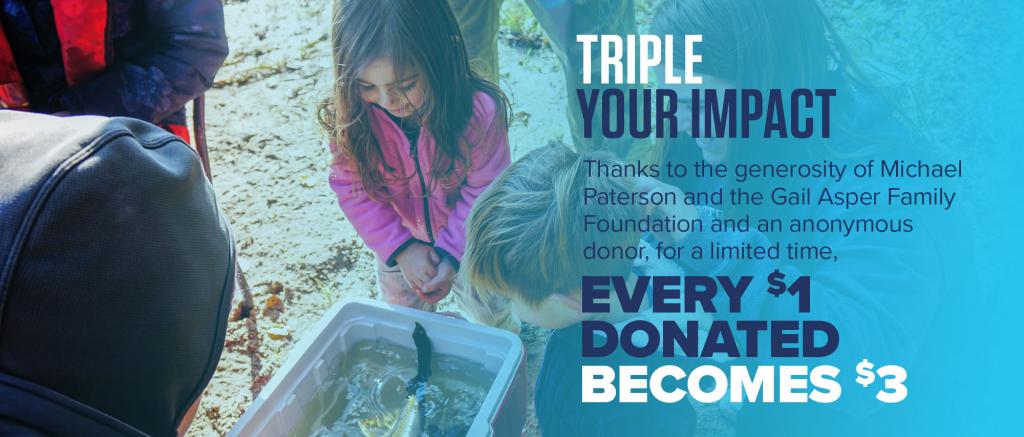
[(424, 354), (409, 420)]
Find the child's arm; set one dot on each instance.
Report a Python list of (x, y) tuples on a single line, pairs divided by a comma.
[(377, 223), (489, 156), (187, 47)]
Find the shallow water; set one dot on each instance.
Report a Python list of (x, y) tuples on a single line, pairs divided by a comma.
[(369, 382)]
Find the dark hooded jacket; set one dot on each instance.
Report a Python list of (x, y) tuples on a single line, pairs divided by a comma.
[(116, 275)]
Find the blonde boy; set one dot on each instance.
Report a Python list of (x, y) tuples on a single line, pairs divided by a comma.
[(525, 238), (525, 242)]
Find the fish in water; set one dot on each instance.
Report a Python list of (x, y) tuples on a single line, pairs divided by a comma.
[(408, 422)]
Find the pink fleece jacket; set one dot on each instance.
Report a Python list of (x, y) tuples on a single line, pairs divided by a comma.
[(387, 226)]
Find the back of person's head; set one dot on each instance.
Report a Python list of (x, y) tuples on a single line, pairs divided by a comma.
[(525, 238), (761, 43), (116, 274), (788, 44)]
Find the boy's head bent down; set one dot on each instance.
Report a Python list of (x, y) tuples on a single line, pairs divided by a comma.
[(525, 238)]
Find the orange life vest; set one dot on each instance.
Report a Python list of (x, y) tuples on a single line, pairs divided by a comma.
[(82, 31)]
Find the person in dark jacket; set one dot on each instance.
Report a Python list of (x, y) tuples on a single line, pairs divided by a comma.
[(143, 59), (894, 281), (116, 277)]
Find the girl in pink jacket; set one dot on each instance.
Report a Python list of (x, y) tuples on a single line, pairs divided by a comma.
[(416, 136)]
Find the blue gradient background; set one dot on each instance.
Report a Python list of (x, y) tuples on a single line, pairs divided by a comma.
[(954, 69)]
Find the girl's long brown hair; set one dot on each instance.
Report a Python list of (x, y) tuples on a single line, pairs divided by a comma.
[(415, 35)]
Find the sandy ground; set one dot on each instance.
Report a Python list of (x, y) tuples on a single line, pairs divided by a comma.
[(269, 160)]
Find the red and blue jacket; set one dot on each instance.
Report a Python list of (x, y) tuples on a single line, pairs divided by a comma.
[(143, 59)]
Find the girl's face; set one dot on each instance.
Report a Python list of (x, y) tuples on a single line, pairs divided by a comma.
[(400, 96)]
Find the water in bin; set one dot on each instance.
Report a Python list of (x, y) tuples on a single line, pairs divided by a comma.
[(350, 375), (376, 389)]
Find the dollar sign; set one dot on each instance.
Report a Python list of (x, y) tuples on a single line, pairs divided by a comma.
[(864, 374), (776, 284)]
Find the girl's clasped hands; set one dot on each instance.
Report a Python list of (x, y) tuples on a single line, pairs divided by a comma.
[(428, 273)]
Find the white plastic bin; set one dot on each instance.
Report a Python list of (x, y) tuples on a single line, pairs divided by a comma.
[(279, 406)]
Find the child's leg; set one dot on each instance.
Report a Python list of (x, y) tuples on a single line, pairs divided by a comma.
[(393, 289), (485, 309)]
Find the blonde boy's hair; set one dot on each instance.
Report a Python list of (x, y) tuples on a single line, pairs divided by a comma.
[(525, 237)]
